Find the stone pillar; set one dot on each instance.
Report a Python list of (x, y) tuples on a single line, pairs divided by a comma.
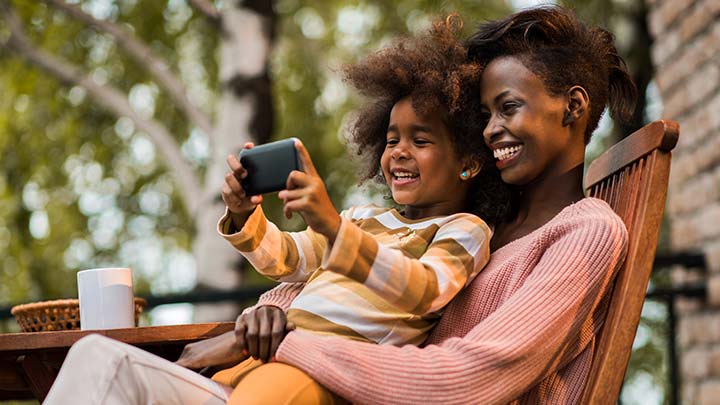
[(686, 55)]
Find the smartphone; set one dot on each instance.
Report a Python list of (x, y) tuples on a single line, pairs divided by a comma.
[(268, 166)]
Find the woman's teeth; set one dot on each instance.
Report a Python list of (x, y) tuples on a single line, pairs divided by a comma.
[(506, 153)]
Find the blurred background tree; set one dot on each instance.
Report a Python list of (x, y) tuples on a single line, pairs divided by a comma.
[(116, 117)]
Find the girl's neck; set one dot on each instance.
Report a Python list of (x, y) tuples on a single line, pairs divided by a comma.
[(415, 213)]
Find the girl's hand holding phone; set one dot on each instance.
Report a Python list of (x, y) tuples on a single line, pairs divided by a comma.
[(306, 194), (239, 204)]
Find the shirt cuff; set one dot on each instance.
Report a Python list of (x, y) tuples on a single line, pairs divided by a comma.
[(245, 239)]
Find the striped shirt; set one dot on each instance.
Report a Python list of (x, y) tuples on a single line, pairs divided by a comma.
[(384, 280)]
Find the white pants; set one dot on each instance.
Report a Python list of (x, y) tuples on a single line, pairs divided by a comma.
[(100, 370)]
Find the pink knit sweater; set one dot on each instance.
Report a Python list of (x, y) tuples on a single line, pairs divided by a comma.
[(522, 332)]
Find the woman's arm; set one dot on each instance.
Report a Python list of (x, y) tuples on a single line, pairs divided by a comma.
[(538, 330), (281, 296), (458, 251)]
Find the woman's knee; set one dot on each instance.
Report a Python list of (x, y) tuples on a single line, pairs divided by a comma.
[(91, 346)]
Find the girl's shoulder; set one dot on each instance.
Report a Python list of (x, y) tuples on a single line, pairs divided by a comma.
[(392, 216), (364, 211)]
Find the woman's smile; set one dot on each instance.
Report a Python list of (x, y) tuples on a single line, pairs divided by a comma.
[(525, 128), (506, 155)]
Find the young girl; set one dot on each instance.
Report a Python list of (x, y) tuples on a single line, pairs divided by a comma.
[(371, 274), (524, 330)]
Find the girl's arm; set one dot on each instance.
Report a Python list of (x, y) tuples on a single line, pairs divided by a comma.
[(538, 330), (458, 251), (283, 256)]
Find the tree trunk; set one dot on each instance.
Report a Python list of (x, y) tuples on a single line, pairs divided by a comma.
[(244, 115)]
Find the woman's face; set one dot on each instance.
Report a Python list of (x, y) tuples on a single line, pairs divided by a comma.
[(525, 124), (420, 164)]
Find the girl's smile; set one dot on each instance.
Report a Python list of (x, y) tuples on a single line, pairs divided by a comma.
[(402, 177)]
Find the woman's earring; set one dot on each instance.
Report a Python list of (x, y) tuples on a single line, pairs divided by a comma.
[(464, 174)]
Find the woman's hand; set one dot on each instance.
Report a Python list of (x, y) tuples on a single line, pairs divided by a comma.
[(257, 334), (306, 194), (238, 203), (261, 331), (221, 350)]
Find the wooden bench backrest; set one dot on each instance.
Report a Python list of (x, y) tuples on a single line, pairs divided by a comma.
[(632, 176)]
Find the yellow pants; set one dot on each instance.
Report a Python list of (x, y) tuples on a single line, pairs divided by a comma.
[(256, 382)]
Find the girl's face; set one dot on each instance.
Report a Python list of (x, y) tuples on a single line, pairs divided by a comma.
[(525, 125), (420, 165)]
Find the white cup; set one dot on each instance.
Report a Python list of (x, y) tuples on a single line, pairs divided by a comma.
[(106, 298)]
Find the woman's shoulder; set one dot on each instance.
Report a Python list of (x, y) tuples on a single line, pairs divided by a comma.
[(589, 211), (589, 216)]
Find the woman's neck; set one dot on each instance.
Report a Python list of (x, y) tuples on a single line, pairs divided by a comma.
[(540, 202), (544, 199)]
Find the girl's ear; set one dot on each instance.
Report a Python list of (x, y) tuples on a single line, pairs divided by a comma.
[(471, 169), (578, 102)]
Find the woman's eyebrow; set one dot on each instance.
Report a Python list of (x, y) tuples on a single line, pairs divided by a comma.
[(501, 95)]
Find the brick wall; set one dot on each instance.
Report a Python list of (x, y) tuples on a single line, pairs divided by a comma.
[(686, 55)]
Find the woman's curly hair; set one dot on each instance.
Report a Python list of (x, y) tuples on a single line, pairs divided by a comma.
[(432, 69)]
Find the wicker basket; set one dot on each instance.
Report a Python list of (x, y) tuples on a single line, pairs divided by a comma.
[(56, 315)]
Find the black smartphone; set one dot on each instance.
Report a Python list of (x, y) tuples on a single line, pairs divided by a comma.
[(268, 166)]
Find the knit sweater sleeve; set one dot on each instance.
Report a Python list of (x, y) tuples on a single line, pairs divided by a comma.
[(281, 296), (527, 337), (457, 252), (283, 256)]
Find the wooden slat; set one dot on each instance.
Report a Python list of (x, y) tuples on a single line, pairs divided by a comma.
[(40, 376)]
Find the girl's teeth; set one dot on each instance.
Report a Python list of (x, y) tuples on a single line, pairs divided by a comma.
[(506, 153), (404, 175)]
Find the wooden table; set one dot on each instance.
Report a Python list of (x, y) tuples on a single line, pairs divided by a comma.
[(29, 362)]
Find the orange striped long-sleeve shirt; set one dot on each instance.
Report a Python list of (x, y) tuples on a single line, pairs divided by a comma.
[(385, 279)]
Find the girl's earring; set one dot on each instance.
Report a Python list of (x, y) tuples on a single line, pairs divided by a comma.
[(464, 174)]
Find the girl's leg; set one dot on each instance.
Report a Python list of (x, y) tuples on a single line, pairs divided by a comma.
[(282, 384), (99, 370), (232, 376)]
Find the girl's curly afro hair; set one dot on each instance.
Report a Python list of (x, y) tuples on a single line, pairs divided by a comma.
[(433, 69)]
